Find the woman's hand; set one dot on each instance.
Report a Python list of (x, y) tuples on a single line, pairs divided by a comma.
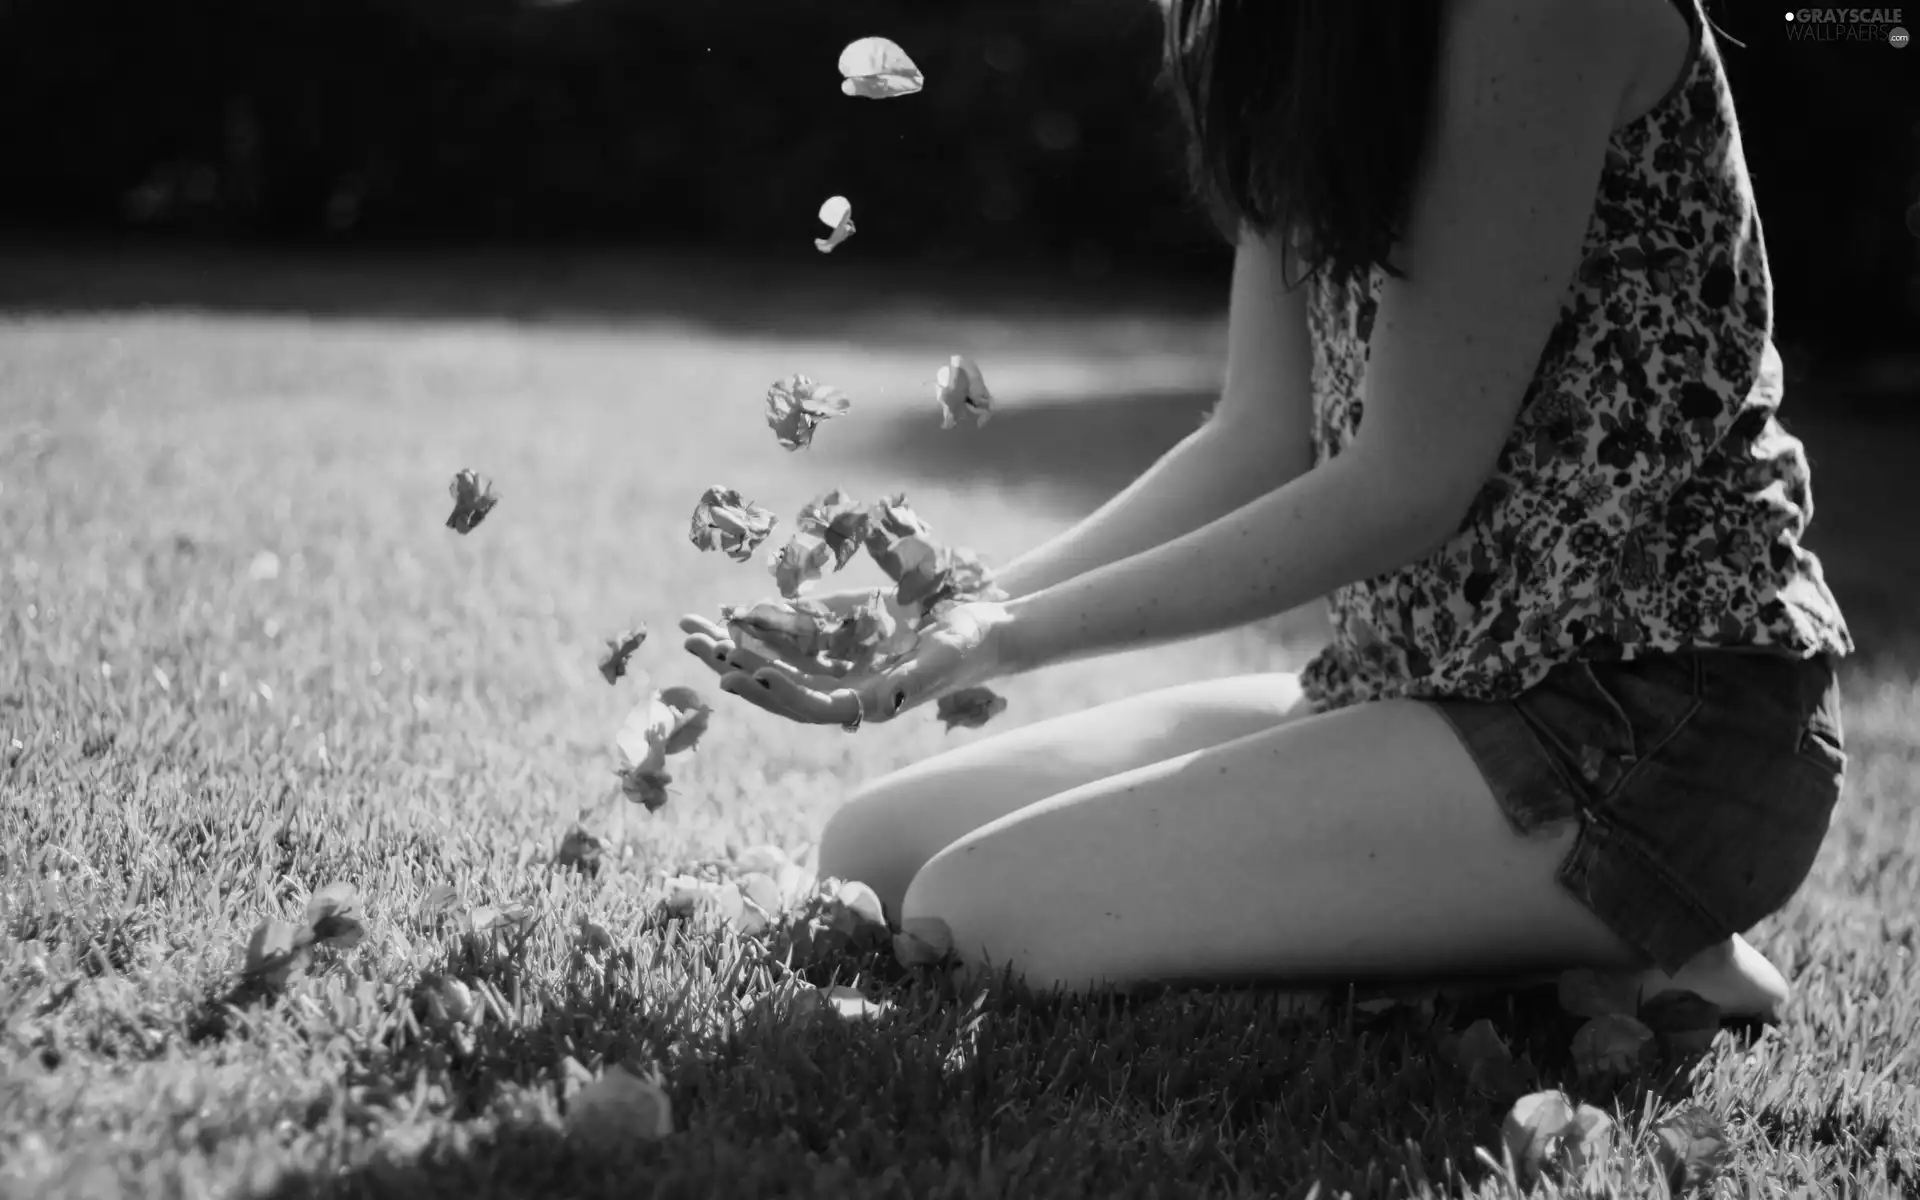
[(963, 648), (715, 646)]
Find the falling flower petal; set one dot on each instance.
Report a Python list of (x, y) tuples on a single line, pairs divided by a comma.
[(670, 722), (878, 69), (473, 499), (724, 520), (642, 740), (796, 405), (686, 717), (961, 390), (645, 787), (837, 214), (839, 521), (969, 708), (801, 561), (900, 542), (619, 649)]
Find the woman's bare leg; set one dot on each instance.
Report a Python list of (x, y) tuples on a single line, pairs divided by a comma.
[(891, 827), (1357, 843)]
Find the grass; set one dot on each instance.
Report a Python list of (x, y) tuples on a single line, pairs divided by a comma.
[(190, 744)]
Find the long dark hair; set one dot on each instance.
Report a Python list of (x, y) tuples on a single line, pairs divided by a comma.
[(1306, 119)]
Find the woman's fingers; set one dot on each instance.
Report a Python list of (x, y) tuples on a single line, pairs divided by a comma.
[(725, 658), (785, 696), (696, 624), (716, 648), (711, 651)]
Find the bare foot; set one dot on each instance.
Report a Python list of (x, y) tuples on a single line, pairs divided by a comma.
[(1733, 975)]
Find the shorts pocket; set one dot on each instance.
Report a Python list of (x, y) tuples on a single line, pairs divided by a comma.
[(1823, 740), (1600, 720), (1656, 695)]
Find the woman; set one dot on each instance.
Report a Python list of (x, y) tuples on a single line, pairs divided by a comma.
[(1579, 707)]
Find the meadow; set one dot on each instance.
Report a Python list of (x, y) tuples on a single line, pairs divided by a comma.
[(242, 658)]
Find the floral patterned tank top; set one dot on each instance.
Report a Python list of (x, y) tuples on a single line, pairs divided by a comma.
[(1647, 499)]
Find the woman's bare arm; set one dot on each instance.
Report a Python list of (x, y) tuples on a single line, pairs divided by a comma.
[(1256, 440)]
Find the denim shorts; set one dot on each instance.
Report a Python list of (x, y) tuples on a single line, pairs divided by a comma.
[(1703, 783)]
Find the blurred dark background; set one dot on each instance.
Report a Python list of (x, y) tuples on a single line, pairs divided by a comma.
[(1039, 140)]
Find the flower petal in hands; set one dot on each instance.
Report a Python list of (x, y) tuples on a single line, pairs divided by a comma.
[(716, 648)]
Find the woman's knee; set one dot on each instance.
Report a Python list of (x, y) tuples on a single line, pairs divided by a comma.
[(870, 840), (993, 929)]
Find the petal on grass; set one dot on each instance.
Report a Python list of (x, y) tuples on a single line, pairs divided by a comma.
[(1685, 1023), (852, 1005), (860, 900), (1691, 1146), (579, 851), (1547, 1134), (1612, 1044), (923, 942), (276, 951), (617, 1108)]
